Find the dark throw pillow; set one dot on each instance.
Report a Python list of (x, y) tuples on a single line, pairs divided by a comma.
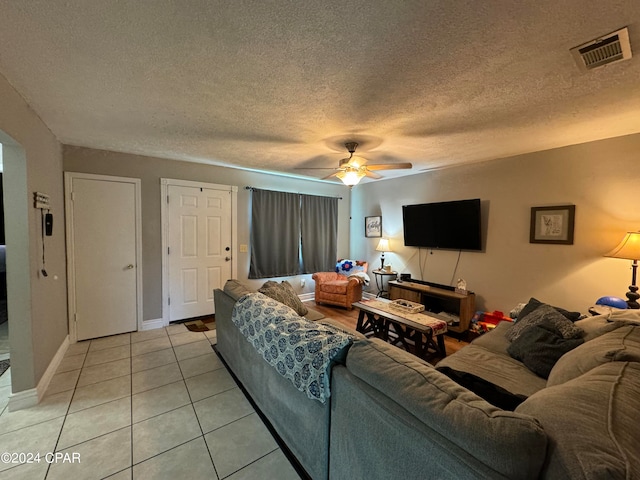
[(544, 313), (535, 303), (284, 293), (540, 346)]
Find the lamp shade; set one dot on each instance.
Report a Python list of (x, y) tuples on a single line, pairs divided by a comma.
[(629, 247), (383, 245)]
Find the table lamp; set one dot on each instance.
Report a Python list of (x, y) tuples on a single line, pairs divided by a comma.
[(629, 249), (383, 246)]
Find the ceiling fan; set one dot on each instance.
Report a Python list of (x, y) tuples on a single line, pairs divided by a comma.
[(352, 169)]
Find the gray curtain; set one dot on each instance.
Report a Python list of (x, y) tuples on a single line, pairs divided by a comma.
[(319, 233), (275, 234)]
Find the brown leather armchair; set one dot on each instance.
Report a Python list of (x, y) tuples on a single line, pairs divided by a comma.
[(339, 289)]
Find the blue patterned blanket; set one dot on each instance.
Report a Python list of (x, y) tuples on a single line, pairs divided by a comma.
[(300, 350)]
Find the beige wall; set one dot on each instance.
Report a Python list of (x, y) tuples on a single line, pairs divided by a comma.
[(597, 177), (151, 170), (600, 178), (37, 305)]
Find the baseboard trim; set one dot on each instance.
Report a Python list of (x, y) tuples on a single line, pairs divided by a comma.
[(23, 399), (152, 324), (30, 398)]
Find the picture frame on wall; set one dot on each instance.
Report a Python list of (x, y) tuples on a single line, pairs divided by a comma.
[(552, 225), (373, 226)]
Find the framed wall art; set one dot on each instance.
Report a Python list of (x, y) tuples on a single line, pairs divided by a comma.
[(552, 225), (373, 226)]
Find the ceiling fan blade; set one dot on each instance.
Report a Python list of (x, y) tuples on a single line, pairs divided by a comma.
[(390, 166), (372, 175), (328, 176), (316, 168), (353, 160)]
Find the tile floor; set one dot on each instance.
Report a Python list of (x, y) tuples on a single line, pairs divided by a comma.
[(147, 405)]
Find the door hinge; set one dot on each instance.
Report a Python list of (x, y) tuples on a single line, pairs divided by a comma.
[(168, 250), (73, 196), (167, 198), (75, 317), (169, 300)]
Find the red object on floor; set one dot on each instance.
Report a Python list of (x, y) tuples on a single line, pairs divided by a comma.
[(495, 317)]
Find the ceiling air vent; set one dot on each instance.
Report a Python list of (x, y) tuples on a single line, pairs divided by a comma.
[(602, 51)]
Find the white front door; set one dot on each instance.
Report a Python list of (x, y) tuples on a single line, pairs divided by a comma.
[(103, 225), (199, 248)]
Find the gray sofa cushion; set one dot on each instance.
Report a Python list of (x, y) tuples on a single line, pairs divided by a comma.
[(487, 358), (601, 324), (495, 340), (517, 444), (622, 344), (595, 326), (235, 289), (541, 314), (313, 315), (592, 423)]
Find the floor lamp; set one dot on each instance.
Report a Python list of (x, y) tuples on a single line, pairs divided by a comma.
[(629, 249)]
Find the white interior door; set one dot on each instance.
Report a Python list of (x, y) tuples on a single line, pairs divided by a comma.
[(199, 248), (103, 223)]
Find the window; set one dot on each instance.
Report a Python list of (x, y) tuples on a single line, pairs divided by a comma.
[(292, 233)]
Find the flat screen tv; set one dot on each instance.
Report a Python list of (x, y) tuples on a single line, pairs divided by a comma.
[(446, 225)]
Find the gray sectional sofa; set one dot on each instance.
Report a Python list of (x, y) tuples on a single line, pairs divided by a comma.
[(392, 415), (302, 423)]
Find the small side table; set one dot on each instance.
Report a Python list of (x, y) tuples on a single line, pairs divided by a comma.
[(380, 274)]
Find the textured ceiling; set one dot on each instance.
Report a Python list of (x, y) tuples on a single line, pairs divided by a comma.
[(274, 85)]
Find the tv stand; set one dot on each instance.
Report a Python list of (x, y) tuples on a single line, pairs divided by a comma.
[(437, 298), (431, 284)]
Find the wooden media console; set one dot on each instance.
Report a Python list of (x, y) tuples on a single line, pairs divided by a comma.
[(436, 300)]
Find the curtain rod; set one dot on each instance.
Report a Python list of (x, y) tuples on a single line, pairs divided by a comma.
[(249, 187)]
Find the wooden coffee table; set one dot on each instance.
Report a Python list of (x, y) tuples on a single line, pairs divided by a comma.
[(377, 318)]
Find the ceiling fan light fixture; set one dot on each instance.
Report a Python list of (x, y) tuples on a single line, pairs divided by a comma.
[(351, 176), (352, 169)]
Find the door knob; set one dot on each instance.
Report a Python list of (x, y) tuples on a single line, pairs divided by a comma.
[(130, 266), (226, 259)]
